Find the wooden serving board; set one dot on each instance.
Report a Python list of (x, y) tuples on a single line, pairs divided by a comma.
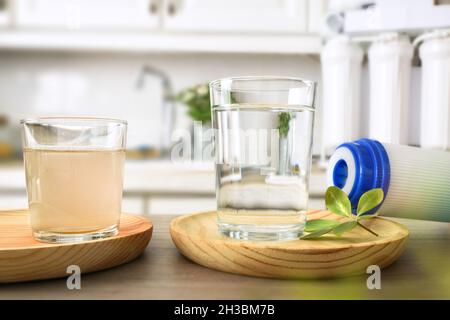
[(23, 259), (196, 237)]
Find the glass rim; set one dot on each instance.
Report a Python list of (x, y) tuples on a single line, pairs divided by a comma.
[(217, 83), (50, 119)]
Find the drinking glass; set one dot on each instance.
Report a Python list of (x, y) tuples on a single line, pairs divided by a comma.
[(263, 136), (74, 172)]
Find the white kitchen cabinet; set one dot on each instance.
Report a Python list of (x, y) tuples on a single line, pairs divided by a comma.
[(134, 205), (200, 26), (236, 15), (181, 206), (317, 10), (88, 14), (13, 201)]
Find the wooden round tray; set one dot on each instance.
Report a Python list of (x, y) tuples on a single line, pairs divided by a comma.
[(22, 258), (197, 238)]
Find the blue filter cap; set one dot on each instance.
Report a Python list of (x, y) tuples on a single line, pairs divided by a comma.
[(357, 167)]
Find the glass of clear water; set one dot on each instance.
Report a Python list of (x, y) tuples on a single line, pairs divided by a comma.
[(74, 172), (263, 135)]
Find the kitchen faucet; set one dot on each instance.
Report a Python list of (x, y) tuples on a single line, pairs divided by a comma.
[(168, 111)]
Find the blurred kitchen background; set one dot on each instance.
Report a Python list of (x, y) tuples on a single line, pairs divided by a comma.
[(131, 59)]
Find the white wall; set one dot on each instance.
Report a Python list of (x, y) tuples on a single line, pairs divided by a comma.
[(37, 83)]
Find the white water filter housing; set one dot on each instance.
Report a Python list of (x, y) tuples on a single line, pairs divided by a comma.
[(415, 181), (435, 102), (341, 73), (390, 58)]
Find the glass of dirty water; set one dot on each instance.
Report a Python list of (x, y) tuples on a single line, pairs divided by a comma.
[(74, 172), (263, 135)]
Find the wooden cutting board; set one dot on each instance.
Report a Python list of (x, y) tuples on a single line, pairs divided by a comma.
[(23, 259), (197, 238)]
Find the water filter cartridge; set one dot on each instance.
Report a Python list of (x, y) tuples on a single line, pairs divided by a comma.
[(390, 59), (435, 101), (416, 182), (341, 74)]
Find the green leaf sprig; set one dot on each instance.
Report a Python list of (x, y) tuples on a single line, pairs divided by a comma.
[(283, 123), (338, 203)]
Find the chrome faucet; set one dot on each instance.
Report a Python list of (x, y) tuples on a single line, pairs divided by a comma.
[(168, 111)]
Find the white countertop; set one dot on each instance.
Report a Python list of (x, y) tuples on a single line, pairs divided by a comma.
[(156, 177)]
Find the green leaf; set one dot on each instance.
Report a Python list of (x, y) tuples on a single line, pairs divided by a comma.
[(316, 234), (369, 200), (369, 216), (338, 202), (319, 224), (344, 227)]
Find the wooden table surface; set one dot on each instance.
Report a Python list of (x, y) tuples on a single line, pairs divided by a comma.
[(422, 272)]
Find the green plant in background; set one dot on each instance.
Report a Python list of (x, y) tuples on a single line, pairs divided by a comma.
[(338, 203), (197, 100)]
